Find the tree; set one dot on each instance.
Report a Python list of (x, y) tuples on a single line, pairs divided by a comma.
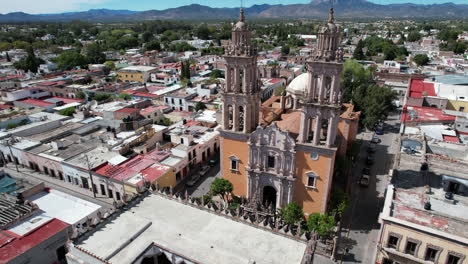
[(67, 111), (71, 59), (221, 187), (203, 32), (167, 121), (153, 45), (374, 101), (31, 63), (421, 59), (414, 36), (94, 54), (215, 74), (292, 213), (185, 70), (200, 106), (358, 52), (110, 65), (285, 50), (322, 224), (280, 91), (4, 46), (377, 104), (101, 97), (125, 96), (80, 95), (8, 59)]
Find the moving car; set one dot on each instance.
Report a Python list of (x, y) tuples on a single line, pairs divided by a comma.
[(193, 180), (364, 181)]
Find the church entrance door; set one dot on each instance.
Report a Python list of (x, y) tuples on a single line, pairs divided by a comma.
[(269, 197)]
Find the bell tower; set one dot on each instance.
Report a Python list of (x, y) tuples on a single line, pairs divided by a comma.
[(321, 104), (241, 94)]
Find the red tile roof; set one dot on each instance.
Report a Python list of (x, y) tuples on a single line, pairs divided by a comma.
[(419, 88), (36, 102), (451, 138), (424, 114), (127, 110), (14, 247), (67, 100), (152, 173)]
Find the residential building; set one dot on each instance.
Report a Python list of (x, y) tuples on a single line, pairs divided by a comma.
[(135, 73)]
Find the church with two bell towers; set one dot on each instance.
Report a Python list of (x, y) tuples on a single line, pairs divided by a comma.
[(284, 150)]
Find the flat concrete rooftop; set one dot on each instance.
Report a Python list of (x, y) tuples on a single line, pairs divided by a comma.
[(193, 233)]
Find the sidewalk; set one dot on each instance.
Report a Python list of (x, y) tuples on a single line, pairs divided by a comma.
[(54, 183)]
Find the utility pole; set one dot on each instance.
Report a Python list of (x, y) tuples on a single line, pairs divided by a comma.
[(8, 143), (90, 176)]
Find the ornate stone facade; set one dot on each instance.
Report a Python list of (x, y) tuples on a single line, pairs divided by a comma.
[(271, 163)]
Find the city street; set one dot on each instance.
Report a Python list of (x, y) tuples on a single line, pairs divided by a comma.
[(360, 224), (202, 187)]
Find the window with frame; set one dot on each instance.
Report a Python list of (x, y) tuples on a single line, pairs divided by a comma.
[(311, 179), (411, 247), (271, 162), (234, 164), (453, 259), (392, 241), (431, 254)]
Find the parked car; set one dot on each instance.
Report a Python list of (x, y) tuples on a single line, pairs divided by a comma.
[(204, 170), (366, 170), (371, 148), (375, 140), (193, 180), (213, 162), (370, 160), (364, 181), (379, 129)]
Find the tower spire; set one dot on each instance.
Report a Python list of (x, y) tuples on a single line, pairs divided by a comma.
[(241, 15), (331, 16)]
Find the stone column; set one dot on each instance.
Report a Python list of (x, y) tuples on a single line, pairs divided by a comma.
[(321, 87), (236, 80), (332, 129), (228, 79), (334, 90), (317, 129), (280, 203), (304, 127), (249, 185), (225, 115), (247, 113)]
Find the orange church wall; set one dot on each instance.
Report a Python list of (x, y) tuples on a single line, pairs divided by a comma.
[(239, 149), (313, 200)]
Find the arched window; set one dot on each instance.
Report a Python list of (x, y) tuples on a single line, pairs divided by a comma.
[(230, 116), (241, 118)]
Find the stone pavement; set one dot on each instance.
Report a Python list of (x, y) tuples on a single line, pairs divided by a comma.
[(57, 184)]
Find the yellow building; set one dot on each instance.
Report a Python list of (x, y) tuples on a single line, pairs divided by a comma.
[(455, 105), (135, 73)]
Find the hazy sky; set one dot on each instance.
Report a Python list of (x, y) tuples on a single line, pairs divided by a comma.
[(55, 6)]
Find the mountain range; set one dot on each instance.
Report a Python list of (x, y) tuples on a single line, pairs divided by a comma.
[(315, 9)]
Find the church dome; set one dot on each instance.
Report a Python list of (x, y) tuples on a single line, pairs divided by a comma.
[(240, 26), (298, 86)]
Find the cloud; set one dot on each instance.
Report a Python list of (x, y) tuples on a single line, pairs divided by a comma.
[(46, 6)]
